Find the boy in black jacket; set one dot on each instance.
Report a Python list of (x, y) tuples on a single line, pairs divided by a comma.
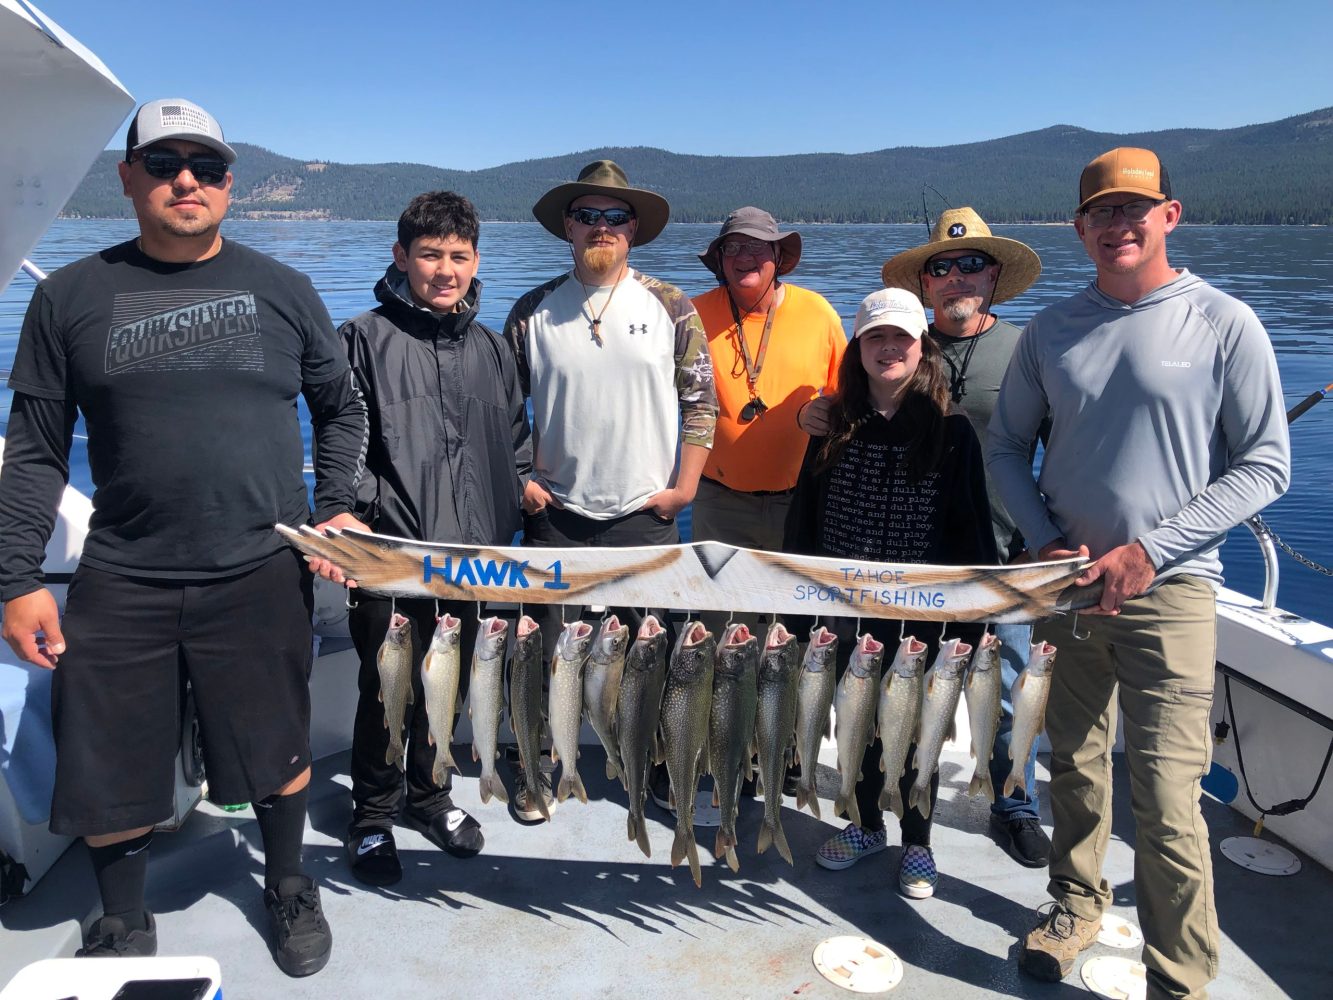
[(448, 457)]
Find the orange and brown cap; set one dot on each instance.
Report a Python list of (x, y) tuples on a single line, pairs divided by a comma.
[(1124, 170)]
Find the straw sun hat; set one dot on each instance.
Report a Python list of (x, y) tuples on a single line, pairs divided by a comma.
[(962, 229)]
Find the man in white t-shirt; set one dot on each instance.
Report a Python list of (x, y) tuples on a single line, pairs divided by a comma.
[(618, 370)]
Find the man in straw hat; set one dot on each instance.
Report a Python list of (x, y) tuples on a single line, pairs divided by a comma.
[(962, 271), (1167, 430), (617, 366)]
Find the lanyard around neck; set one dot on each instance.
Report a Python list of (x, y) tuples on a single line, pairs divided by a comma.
[(755, 366)]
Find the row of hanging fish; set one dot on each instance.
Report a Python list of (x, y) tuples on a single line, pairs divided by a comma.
[(711, 708)]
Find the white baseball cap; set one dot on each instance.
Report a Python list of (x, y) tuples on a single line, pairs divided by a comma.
[(891, 307)]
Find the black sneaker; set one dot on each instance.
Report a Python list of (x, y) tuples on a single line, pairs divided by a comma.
[(299, 936), (1024, 839), (374, 857), (108, 937), (451, 830), (525, 803), (659, 786), (791, 780)]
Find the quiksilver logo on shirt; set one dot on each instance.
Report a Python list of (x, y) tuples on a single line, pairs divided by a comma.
[(183, 329)]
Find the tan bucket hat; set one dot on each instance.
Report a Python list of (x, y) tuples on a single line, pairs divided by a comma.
[(962, 229), (751, 221), (606, 178)]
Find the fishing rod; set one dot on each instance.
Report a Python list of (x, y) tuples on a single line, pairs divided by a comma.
[(1300, 408)]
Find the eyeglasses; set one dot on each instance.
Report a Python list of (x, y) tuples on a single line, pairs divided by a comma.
[(615, 217), (973, 263), (166, 166), (752, 248), (1100, 216)]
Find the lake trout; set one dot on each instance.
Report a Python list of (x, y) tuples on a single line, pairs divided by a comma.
[(982, 693), (899, 715), (686, 702), (395, 666), (601, 688), (637, 715), (939, 704), (486, 690), (566, 706), (814, 699), (525, 706), (775, 725), (854, 711), (731, 729), (1029, 695), (441, 669)]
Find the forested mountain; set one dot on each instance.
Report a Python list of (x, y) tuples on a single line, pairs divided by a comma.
[(1279, 172)]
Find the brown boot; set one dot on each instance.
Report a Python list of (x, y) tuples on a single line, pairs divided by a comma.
[(1051, 947)]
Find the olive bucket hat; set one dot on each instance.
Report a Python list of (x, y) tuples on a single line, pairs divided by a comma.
[(754, 222), (604, 177), (962, 229)]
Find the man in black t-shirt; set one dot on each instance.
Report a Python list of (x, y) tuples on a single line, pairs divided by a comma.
[(185, 354)]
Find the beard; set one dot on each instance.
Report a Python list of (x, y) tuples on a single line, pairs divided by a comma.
[(963, 309), (599, 260)]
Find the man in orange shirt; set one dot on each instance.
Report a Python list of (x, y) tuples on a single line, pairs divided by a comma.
[(789, 352)]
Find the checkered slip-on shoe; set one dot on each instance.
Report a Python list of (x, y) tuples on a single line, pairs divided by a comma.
[(917, 875), (845, 849)]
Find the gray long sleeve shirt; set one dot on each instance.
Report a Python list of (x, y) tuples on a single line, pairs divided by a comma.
[(1167, 425)]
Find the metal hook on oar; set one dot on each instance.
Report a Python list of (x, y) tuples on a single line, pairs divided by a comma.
[(1085, 635), (437, 609), (393, 606), (944, 627), (348, 603), (479, 606), (902, 630)]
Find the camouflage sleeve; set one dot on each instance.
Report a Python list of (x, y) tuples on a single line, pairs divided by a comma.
[(516, 327), (694, 364)]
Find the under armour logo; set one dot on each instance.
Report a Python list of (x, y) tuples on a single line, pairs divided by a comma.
[(957, 230), (638, 328)]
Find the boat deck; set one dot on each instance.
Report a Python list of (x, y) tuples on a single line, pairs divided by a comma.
[(572, 908)]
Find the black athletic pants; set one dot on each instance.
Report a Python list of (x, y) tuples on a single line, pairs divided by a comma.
[(377, 786), (915, 827)]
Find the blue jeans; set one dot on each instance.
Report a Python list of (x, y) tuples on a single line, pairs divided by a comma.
[(1016, 640)]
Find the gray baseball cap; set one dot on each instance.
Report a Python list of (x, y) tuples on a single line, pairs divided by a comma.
[(176, 118)]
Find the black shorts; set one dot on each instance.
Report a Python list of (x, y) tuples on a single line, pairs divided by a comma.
[(244, 643)]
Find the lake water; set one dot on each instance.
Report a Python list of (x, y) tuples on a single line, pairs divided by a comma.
[(1283, 273)]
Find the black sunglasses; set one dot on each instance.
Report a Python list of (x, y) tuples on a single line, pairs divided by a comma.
[(166, 166), (615, 217), (973, 263)]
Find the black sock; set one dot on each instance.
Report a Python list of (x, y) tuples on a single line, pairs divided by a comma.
[(121, 870), (282, 827)]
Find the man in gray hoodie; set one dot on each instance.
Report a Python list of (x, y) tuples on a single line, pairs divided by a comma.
[(1167, 429)]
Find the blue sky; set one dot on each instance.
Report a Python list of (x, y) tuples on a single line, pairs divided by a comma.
[(470, 86)]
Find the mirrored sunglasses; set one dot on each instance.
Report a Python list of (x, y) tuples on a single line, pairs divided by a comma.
[(971, 264), (615, 217)]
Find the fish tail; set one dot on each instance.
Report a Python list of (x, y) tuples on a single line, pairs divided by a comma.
[(733, 862), (490, 784), (846, 805), (571, 783), (981, 784), (1011, 783), (638, 832), (684, 847), (896, 800), (780, 840), (726, 840), (919, 798), (765, 836)]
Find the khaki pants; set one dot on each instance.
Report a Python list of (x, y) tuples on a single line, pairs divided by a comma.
[(1160, 650)]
